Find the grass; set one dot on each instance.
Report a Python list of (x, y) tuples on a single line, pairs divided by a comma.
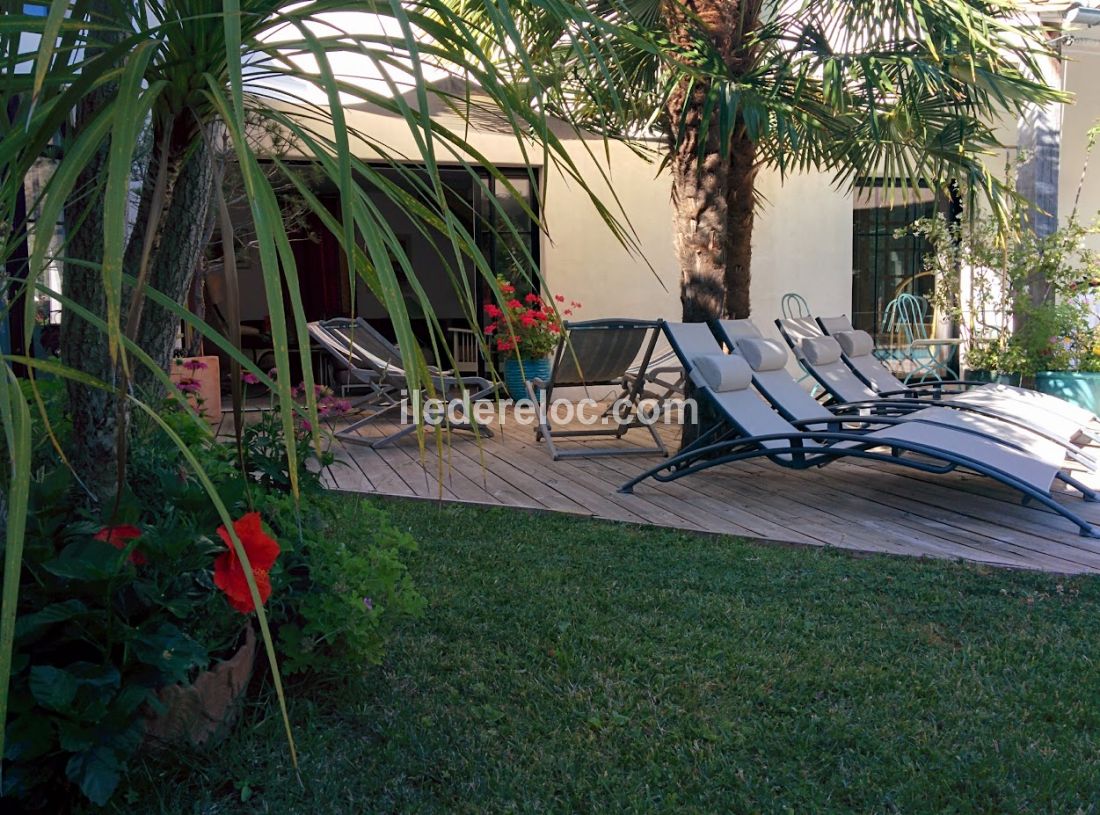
[(568, 665)]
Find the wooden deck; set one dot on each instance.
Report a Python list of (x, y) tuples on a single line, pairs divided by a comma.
[(851, 505)]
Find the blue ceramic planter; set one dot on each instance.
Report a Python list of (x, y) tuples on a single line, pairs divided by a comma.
[(517, 371), (1081, 388)]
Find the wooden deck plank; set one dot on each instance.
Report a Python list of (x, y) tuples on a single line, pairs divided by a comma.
[(850, 504)]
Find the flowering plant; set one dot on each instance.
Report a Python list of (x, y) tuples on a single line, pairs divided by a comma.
[(529, 327), (117, 604)]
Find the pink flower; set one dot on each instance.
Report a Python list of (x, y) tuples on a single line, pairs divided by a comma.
[(505, 345), (574, 304), (305, 426), (489, 329), (559, 298), (250, 378), (194, 365), (568, 312), (188, 386)]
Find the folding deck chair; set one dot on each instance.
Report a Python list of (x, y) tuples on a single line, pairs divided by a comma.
[(593, 353), (368, 359), (750, 428)]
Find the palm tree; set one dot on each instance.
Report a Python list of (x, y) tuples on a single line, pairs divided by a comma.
[(909, 89), (154, 97)]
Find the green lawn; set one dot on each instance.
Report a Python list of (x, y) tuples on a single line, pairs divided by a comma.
[(566, 665)]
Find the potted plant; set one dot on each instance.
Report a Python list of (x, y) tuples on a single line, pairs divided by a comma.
[(526, 331), (1024, 304), (199, 379)]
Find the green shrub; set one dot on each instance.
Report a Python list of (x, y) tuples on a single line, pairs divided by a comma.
[(115, 605)]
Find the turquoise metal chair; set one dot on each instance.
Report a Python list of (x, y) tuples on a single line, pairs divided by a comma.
[(906, 320), (794, 306)]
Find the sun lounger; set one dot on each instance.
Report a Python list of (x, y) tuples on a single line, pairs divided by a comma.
[(844, 365), (352, 344), (750, 429)]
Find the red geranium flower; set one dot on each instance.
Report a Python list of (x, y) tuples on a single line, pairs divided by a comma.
[(513, 303), (559, 298), (119, 536), (507, 288), (262, 551), (492, 311), (531, 298)]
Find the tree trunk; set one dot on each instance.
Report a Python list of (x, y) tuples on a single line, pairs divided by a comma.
[(740, 211), (712, 181), (94, 412), (176, 249), (179, 245)]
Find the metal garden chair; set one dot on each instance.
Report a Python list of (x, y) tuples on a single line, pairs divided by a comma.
[(906, 319)]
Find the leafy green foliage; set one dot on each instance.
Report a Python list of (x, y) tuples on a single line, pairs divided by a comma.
[(908, 89), (345, 585), (1029, 302), (103, 626)]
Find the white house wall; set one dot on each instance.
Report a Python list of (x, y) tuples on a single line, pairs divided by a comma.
[(802, 240), (1081, 78)]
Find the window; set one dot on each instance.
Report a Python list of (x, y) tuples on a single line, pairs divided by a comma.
[(884, 265)]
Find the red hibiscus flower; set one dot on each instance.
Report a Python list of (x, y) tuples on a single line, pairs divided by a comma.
[(262, 551), (119, 536)]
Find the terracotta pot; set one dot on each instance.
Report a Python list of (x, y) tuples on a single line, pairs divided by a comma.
[(208, 399), (203, 713)]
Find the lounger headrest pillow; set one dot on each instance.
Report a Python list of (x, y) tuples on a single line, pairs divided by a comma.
[(820, 350), (855, 343), (762, 354), (723, 372)]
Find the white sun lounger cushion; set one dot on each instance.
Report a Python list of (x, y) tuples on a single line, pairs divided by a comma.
[(820, 350), (762, 354), (856, 343), (723, 372)]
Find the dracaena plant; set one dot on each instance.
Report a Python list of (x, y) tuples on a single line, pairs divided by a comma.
[(144, 107)]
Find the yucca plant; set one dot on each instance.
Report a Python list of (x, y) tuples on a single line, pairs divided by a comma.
[(142, 105)]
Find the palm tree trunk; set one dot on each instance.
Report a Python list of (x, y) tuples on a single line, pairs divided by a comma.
[(740, 210), (712, 181), (699, 183)]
